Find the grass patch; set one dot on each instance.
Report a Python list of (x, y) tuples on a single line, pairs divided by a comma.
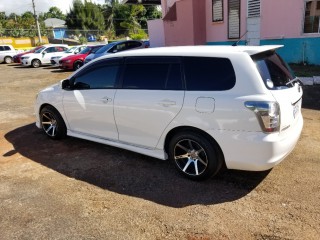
[(301, 70)]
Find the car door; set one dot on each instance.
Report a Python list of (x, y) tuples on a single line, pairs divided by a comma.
[(151, 96), (47, 54), (89, 104)]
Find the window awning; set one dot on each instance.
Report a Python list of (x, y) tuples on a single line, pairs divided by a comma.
[(171, 14)]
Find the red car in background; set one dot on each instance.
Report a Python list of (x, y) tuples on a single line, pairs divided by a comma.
[(17, 57), (74, 62)]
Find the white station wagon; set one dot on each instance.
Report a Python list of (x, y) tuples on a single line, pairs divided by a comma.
[(202, 107)]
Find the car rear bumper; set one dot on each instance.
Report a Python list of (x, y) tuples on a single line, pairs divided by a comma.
[(257, 151)]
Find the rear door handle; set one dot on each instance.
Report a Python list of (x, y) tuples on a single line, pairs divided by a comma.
[(106, 100), (167, 103)]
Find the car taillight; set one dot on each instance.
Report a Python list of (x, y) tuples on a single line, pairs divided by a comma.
[(268, 114)]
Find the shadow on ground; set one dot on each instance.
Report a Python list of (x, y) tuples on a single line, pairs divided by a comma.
[(128, 173)]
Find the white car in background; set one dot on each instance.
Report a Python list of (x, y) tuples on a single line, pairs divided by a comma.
[(6, 53), (43, 55), (71, 51)]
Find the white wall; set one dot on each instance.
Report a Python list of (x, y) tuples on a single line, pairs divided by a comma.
[(156, 33)]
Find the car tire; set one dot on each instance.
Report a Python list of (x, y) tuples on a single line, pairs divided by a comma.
[(36, 63), (194, 155), (8, 60), (52, 123), (77, 65)]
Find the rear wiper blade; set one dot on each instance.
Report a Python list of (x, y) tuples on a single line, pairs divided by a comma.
[(295, 80)]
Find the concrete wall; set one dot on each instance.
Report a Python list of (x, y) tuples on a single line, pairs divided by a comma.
[(218, 31), (282, 19), (156, 33), (23, 43), (180, 32), (298, 50)]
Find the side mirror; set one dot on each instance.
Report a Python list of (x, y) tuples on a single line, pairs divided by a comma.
[(65, 84)]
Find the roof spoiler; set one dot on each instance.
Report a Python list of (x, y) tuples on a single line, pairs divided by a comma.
[(262, 49)]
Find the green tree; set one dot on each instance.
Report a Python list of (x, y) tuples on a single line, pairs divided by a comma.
[(54, 12), (86, 16)]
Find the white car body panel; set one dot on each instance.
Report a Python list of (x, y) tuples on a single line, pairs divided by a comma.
[(142, 115), (92, 112)]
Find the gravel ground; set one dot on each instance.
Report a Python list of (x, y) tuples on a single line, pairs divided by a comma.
[(76, 189)]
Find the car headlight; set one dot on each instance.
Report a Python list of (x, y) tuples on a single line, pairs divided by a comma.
[(25, 57), (68, 61)]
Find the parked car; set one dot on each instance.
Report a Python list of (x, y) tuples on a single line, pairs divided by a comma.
[(91, 38), (43, 55), (202, 107), (6, 53), (115, 47), (74, 62), (17, 58), (71, 51)]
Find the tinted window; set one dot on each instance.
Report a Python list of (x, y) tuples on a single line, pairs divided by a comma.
[(152, 73), (209, 74), (95, 49), (86, 50), (272, 67), (119, 47), (97, 77), (7, 48), (131, 45), (1, 48), (50, 49), (60, 49), (104, 48)]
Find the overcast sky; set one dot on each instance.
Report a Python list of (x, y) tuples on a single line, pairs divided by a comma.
[(21, 6)]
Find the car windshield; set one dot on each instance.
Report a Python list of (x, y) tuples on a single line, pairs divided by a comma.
[(274, 71), (40, 50), (105, 48), (71, 50)]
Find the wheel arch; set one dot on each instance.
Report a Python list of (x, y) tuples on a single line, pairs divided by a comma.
[(180, 129), (7, 56), (50, 105), (36, 59)]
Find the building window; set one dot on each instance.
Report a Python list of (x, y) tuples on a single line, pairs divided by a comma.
[(233, 19), (312, 17), (253, 8), (217, 10)]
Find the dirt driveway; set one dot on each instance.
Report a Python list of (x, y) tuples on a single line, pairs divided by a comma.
[(75, 189)]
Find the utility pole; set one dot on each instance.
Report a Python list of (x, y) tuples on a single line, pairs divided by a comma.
[(37, 22)]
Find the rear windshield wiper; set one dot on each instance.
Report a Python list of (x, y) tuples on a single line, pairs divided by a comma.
[(295, 80)]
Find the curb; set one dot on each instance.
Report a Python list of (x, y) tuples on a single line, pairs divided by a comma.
[(310, 80)]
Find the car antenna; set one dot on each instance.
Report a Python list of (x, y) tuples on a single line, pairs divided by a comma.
[(236, 43)]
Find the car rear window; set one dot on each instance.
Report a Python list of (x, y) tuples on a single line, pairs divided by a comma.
[(209, 74), (274, 71)]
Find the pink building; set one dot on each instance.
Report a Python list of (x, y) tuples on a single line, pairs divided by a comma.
[(292, 23)]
